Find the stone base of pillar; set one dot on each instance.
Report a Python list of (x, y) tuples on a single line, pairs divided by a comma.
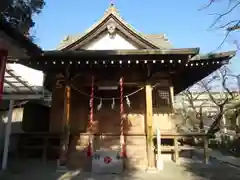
[(160, 164), (61, 167), (152, 170)]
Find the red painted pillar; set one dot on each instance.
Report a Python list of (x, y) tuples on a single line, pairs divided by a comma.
[(3, 62)]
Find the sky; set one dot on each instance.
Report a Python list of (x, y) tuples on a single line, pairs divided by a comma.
[(181, 20)]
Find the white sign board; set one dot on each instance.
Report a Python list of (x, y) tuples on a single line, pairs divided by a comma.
[(107, 162)]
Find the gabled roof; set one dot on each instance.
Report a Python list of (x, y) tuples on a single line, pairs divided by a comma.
[(154, 41)]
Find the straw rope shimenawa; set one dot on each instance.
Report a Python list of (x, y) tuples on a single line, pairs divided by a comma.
[(109, 98)]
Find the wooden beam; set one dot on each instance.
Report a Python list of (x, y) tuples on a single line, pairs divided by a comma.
[(112, 83), (159, 83), (66, 127), (67, 104), (66, 110), (22, 96), (12, 77), (14, 87), (149, 119)]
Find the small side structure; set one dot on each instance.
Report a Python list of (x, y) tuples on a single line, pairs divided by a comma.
[(17, 88)]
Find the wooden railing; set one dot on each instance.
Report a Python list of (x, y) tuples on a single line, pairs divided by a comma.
[(176, 148), (45, 143)]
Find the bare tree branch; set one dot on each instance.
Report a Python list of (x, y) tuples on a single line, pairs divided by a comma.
[(208, 5), (237, 44), (223, 72), (229, 27), (230, 2), (208, 90), (224, 85), (220, 16), (193, 114), (225, 26), (223, 41), (226, 97), (234, 27)]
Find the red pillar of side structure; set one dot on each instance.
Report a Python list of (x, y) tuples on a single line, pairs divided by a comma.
[(3, 62)]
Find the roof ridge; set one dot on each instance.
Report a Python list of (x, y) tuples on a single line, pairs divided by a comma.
[(112, 10)]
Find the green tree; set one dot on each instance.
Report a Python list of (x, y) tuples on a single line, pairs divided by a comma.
[(20, 12)]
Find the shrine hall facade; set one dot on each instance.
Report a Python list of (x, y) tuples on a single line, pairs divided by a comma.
[(113, 87)]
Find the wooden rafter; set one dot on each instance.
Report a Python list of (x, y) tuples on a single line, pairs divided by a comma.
[(10, 72), (11, 76), (16, 88), (12, 85)]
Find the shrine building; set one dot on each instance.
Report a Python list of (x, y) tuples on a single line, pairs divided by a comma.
[(112, 90)]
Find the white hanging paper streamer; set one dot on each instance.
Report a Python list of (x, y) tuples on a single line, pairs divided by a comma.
[(113, 103), (99, 105), (128, 102)]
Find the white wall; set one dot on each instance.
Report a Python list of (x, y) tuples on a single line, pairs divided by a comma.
[(108, 43)]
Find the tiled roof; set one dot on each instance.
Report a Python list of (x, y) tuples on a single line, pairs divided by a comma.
[(158, 40)]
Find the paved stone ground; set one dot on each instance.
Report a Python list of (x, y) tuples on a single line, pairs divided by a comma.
[(235, 161), (188, 170)]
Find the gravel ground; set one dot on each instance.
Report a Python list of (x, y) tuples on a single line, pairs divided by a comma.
[(192, 169)]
